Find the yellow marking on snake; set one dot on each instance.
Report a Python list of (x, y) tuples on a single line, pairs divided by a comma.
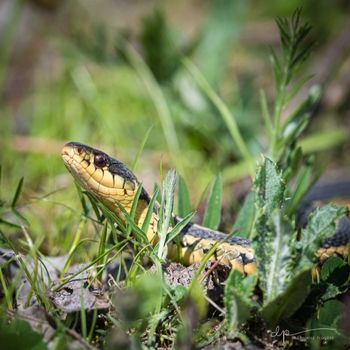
[(111, 182)]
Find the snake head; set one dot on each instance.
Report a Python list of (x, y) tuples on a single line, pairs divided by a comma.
[(101, 175)]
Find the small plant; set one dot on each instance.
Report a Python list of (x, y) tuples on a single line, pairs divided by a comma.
[(288, 293), (285, 257)]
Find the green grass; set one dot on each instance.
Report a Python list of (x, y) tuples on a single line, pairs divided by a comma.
[(124, 107)]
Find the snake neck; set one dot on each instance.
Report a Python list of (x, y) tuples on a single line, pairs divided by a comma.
[(139, 218)]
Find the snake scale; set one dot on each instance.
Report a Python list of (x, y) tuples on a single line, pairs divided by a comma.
[(111, 182)]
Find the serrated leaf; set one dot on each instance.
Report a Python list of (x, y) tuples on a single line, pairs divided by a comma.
[(237, 299), (331, 292), (184, 205), (212, 215), (269, 186), (245, 218), (321, 225), (273, 252)]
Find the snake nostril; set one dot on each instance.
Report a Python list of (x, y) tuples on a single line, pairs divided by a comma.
[(66, 151)]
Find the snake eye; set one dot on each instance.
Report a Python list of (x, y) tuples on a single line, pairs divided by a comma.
[(80, 150), (100, 160)]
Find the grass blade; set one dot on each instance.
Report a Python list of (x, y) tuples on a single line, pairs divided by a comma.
[(166, 211), (159, 102), (133, 209), (141, 148), (245, 218), (17, 193), (103, 240), (224, 112), (237, 299), (183, 205), (150, 210), (212, 215), (179, 227)]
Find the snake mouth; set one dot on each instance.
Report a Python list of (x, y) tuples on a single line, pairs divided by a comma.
[(97, 172)]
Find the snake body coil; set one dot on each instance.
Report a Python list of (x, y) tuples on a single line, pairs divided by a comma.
[(111, 182)]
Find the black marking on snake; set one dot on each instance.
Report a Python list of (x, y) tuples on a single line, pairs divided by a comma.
[(342, 235), (320, 192), (201, 232)]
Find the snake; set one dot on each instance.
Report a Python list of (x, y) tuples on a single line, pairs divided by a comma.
[(113, 184)]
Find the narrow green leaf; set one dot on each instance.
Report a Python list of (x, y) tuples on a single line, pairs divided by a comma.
[(266, 114), (94, 206), (120, 245), (5, 290), (297, 86), (8, 223), (303, 109), (84, 205), (323, 140), (130, 222), (134, 205), (166, 210), (83, 322), (179, 227), (212, 215), (184, 205), (225, 113), (73, 251), (141, 148), (276, 66), (103, 240), (156, 189), (304, 181), (160, 103), (237, 299), (286, 303), (245, 218), (17, 193), (150, 210)]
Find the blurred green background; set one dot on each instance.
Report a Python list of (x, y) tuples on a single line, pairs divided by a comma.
[(110, 74)]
